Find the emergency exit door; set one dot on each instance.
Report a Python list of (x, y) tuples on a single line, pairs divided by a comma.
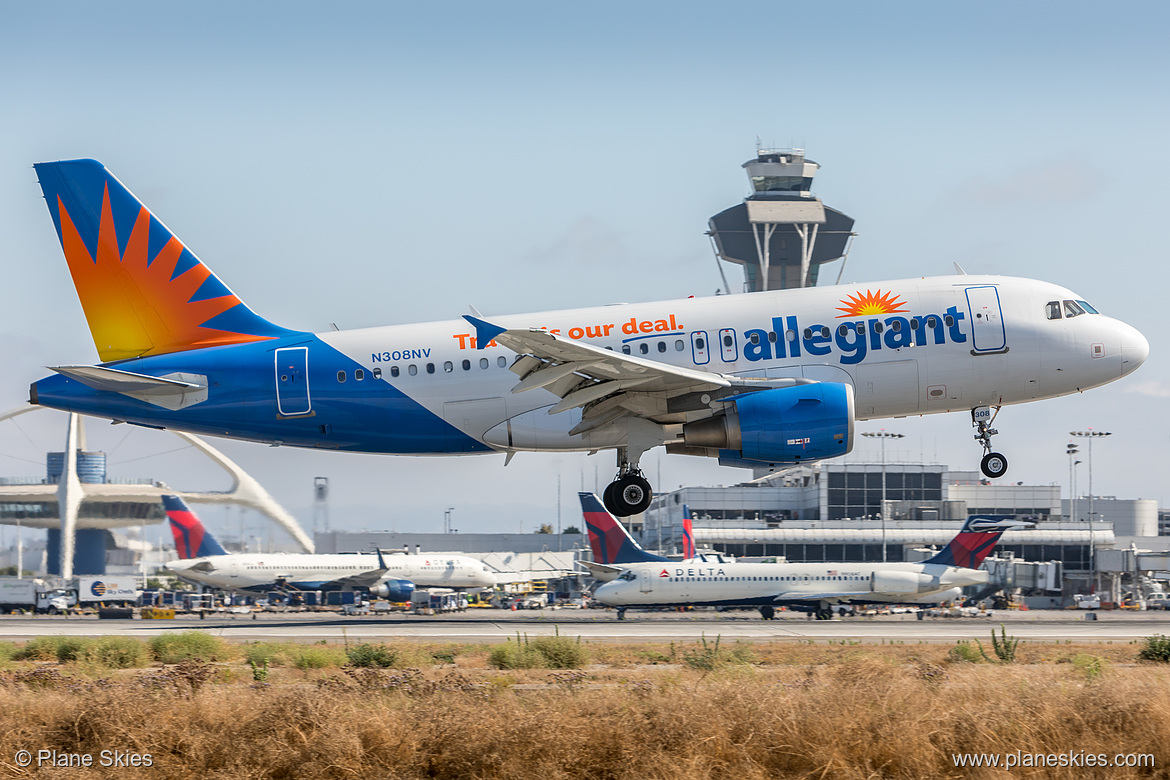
[(292, 381)]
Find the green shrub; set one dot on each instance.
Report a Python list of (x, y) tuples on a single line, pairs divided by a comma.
[(561, 652), (1092, 666), (73, 648), (1157, 649), (515, 655), (119, 652), (8, 650), (188, 645), (41, 648), (314, 657), (546, 652), (367, 655), (965, 653), (266, 654)]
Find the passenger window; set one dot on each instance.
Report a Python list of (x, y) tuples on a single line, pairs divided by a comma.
[(359, 374), (932, 322), (790, 335), (878, 327), (1052, 309), (466, 365), (378, 372), (1071, 309), (772, 336), (483, 362), (949, 320), (448, 367), (896, 326), (502, 361), (842, 330), (643, 347), (662, 346), (755, 338), (625, 349), (412, 369), (679, 346), (824, 332), (430, 368), (340, 376)]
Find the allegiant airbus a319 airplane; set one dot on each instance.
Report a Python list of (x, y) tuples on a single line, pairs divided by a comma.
[(760, 379)]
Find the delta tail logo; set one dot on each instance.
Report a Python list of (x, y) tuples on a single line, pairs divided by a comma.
[(859, 305)]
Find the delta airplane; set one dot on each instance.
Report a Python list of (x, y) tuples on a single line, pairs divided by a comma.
[(203, 560), (647, 580), (755, 380)]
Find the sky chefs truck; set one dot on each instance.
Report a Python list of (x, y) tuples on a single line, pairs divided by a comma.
[(33, 595), (93, 591)]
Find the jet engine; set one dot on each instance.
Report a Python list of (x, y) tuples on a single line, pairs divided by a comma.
[(798, 424), (900, 582), (393, 590)]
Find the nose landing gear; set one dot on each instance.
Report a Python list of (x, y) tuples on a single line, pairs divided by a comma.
[(994, 465)]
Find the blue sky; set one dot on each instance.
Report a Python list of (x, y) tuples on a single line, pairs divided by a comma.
[(376, 163)]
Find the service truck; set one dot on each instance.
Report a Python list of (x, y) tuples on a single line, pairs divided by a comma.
[(96, 590), (34, 595)]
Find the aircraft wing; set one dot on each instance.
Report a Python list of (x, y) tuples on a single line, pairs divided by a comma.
[(826, 596), (608, 384)]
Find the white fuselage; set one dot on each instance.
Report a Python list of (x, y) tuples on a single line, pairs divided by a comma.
[(700, 582), (941, 344), (303, 571)]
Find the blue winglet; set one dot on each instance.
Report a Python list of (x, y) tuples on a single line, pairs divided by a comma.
[(484, 331)]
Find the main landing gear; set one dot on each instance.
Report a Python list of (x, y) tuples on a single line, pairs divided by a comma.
[(994, 465), (630, 493)]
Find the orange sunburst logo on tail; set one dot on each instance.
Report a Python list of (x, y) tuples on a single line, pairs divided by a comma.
[(862, 305)]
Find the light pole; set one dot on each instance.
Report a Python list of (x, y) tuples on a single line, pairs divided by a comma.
[(447, 519), (1071, 450), (883, 434), (1091, 434)]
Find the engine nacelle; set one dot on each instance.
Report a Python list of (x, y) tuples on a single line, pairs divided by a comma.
[(798, 424), (900, 582), (393, 590)]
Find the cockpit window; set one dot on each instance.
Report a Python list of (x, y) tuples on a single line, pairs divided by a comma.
[(1072, 309), (1088, 308), (627, 575), (1052, 309)]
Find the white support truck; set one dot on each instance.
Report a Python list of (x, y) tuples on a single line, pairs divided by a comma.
[(33, 595)]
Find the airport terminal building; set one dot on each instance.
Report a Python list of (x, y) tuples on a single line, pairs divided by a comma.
[(833, 511)]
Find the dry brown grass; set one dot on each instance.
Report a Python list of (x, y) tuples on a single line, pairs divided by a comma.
[(799, 711)]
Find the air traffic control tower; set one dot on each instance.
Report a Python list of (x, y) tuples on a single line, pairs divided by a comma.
[(781, 234)]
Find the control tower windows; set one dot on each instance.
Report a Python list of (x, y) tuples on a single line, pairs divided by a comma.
[(781, 183)]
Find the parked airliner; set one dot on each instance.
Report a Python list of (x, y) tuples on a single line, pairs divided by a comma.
[(391, 576), (647, 580), (759, 379)]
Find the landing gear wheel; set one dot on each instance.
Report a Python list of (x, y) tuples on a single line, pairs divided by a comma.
[(621, 613), (628, 495), (607, 497), (767, 612), (993, 465)]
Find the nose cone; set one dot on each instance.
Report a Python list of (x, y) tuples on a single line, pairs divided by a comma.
[(1134, 349)]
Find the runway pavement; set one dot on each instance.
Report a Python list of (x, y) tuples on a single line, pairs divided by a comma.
[(602, 625)]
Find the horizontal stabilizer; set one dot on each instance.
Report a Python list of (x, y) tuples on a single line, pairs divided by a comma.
[(602, 571), (115, 381), (173, 391)]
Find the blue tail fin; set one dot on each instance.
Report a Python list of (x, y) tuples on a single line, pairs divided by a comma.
[(975, 540), (609, 539), (192, 540), (143, 291)]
